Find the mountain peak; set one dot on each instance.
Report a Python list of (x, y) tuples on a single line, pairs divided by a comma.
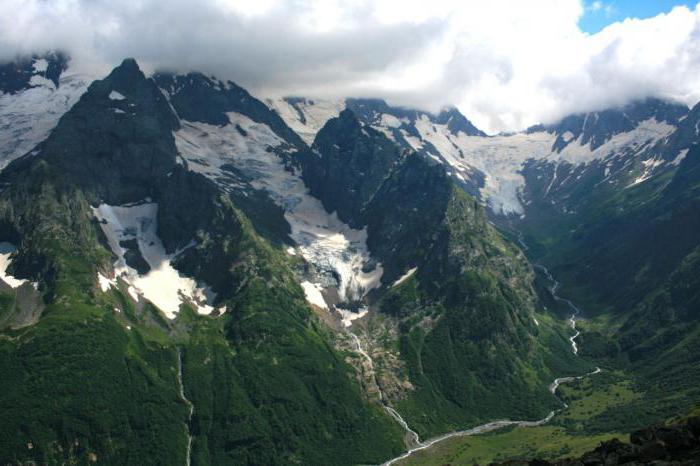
[(127, 71), (456, 122), (129, 63), (598, 127)]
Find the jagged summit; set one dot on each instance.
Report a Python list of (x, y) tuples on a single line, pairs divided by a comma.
[(457, 122), (196, 97), (596, 128), (371, 111)]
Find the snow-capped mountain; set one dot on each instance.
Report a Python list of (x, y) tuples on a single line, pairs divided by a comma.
[(34, 94), (308, 281), (492, 167)]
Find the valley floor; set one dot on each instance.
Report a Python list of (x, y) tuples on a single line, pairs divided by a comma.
[(572, 433)]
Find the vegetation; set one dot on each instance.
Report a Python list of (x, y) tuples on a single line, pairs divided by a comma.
[(96, 379), (571, 433), (468, 335)]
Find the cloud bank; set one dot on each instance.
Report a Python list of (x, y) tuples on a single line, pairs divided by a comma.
[(505, 64)]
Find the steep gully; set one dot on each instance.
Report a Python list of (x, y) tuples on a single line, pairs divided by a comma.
[(418, 445)]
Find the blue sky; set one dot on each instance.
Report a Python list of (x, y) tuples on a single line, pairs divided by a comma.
[(601, 13)]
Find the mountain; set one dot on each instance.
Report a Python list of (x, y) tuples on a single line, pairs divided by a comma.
[(34, 93), (458, 288), (597, 128), (619, 230), (494, 169), (257, 379), (607, 200), (189, 274)]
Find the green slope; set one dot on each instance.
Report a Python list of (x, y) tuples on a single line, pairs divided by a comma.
[(96, 377)]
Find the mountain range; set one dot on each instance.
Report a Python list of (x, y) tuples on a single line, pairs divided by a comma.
[(190, 274)]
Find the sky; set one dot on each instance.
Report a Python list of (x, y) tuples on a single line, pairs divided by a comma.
[(506, 64), (598, 14)]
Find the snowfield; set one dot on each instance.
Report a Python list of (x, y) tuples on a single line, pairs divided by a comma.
[(501, 158), (27, 117), (306, 116), (163, 285), (334, 248)]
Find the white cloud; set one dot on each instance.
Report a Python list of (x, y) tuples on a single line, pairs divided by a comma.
[(505, 64)]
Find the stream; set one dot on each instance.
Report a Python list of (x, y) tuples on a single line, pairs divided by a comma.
[(189, 404), (495, 425), (413, 435)]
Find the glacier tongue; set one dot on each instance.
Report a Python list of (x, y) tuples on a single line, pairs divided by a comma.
[(322, 239), (163, 285)]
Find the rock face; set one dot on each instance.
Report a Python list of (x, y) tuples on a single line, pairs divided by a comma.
[(196, 97), (349, 163), (675, 445), (130, 145)]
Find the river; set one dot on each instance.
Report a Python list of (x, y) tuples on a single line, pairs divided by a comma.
[(494, 425)]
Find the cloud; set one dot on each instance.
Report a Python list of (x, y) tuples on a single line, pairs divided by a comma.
[(505, 64)]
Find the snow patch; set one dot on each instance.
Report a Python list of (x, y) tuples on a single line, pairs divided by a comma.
[(649, 167), (163, 285), (114, 95), (40, 65), (679, 158), (404, 277), (6, 250), (313, 294), (390, 121), (105, 283), (347, 317), (315, 114), (40, 81)]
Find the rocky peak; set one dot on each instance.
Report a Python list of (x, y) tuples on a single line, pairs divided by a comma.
[(456, 122), (196, 97), (115, 141), (599, 127), (351, 161)]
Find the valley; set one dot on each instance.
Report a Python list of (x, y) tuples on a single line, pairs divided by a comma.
[(427, 446), (303, 281)]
